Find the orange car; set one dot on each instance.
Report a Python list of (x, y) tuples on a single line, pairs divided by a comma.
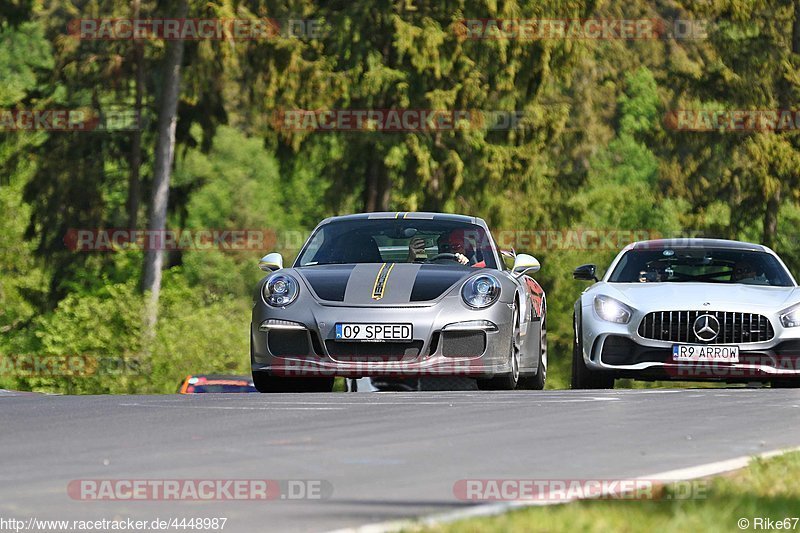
[(199, 384)]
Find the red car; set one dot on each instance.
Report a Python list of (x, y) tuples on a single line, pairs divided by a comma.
[(199, 384)]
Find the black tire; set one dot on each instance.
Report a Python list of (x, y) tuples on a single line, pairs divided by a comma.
[(785, 383), (272, 384), (538, 380), (582, 376), (507, 381), (446, 383)]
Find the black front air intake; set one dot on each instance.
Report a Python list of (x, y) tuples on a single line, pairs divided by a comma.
[(463, 343), (618, 350), (288, 343)]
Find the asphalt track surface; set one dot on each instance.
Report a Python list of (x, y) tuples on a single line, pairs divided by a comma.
[(387, 456)]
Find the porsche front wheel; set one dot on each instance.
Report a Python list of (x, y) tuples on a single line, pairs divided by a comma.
[(510, 380), (537, 381)]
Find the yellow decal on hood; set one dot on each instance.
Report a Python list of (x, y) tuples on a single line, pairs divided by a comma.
[(380, 281)]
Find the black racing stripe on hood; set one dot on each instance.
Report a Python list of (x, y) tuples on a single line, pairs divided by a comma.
[(433, 280), (329, 282)]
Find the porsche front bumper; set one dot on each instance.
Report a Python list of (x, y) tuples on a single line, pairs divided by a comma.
[(449, 339)]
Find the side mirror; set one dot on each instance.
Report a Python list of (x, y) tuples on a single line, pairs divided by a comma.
[(585, 273), (270, 262), (525, 264)]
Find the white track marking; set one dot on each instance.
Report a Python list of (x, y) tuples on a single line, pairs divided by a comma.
[(286, 405), (226, 408), (658, 391), (492, 509)]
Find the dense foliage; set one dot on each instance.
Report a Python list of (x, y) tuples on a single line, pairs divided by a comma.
[(592, 151)]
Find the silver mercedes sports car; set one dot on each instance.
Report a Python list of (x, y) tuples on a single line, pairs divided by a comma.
[(399, 295), (688, 309)]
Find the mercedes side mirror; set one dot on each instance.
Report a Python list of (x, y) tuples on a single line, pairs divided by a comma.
[(585, 273)]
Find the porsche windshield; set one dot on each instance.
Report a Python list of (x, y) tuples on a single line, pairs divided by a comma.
[(399, 241), (701, 265)]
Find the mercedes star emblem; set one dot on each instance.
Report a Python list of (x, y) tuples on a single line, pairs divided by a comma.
[(706, 328)]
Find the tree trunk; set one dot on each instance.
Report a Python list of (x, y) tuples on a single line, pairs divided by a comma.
[(165, 152), (377, 187), (134, 181), (371, 185), (384, 189), (771, 219)]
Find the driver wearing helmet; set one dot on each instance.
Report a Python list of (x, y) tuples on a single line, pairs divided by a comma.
[(448, 243)]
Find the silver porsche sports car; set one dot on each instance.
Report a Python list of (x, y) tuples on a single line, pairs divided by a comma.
[(399, 295), (688, 309)]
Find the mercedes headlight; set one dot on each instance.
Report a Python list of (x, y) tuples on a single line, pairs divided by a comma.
[(481, 291), (612, 310), (790, 318), (280, 290)]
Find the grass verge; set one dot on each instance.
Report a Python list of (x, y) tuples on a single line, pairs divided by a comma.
[(768, 489)]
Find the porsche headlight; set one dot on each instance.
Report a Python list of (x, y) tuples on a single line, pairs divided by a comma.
[(790, 318), (280, 290), (612, 310), (481, 291)]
